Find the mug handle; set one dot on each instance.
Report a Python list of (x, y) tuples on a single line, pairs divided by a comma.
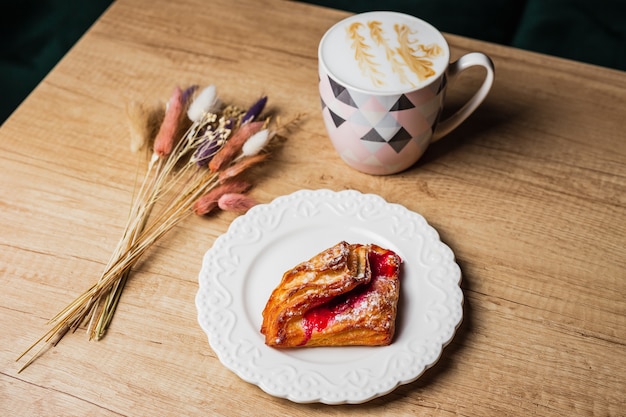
[(466, 61)]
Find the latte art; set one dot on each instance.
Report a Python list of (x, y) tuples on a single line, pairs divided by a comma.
[(384, 52), (403, 53)]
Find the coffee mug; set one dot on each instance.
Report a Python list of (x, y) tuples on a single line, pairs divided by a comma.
[(382, 82)]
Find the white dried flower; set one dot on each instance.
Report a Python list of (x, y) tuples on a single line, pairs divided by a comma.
[(256, 143), (207, 101)]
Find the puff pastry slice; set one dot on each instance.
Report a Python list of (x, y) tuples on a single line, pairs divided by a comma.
[(345, 295)]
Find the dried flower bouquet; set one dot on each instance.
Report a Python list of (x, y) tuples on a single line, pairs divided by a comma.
[(200, 149)]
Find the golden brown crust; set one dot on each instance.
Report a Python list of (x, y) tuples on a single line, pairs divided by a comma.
[(336, 298)]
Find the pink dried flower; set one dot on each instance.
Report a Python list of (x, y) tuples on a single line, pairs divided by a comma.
[(239, 203), (241, 166), (233, 146), (208, 202), (164, 142)]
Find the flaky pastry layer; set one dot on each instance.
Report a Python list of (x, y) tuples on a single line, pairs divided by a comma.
[(345, 295)]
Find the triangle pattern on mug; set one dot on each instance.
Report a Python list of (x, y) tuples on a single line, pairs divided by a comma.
[(381, 125), (336, 119), (403, 103), (400, 140), (346, 98), (336, 88), (397, 141), (373, 136)]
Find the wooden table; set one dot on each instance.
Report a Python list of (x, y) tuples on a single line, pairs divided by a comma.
[(530, 193)]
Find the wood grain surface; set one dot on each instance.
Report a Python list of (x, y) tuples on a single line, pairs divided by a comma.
[(530, 193)]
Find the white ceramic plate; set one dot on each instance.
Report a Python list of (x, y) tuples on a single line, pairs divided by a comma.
[(246, 263)]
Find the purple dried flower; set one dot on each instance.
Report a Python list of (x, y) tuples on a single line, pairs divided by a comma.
[(188, 93), (206, 150), (254, 111)]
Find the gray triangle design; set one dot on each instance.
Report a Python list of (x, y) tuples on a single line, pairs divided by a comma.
[(373, 136), (403, 103), (345, 98), (337, 120), (337, 88), (399, 140)]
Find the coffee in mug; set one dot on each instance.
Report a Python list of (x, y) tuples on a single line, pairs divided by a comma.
[(382, 81)]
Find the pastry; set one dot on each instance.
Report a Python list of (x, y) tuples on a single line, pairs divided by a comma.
[(345, 295)]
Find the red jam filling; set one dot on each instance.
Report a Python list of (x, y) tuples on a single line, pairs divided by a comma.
[(382, 264), (318, 318)]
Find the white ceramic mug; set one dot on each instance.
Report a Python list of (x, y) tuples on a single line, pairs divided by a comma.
[(382, 81)]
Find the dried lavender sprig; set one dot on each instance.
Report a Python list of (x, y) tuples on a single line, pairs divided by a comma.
[(254, 111), (207, 149), (189, 92)]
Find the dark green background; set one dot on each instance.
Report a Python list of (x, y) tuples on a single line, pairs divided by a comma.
[(35, 34)]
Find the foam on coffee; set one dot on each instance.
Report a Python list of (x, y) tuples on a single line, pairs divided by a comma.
[(384, 52)]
